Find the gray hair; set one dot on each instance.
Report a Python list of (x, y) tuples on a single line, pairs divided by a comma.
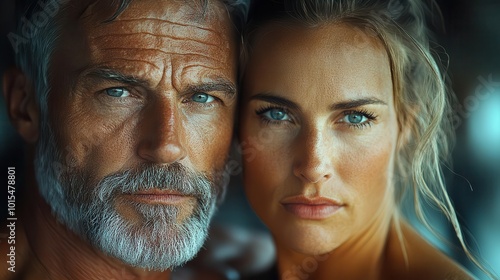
[(92, 218)]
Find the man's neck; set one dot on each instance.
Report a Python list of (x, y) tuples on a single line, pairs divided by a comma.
[(61, 254)]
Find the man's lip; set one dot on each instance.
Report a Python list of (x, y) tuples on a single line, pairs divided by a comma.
[(156, 196), (316, 208), (158, 192)]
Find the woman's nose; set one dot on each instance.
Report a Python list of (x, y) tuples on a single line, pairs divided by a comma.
[(313, 160)]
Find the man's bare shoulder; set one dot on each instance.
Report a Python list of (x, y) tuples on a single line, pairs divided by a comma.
[(7, 257), (16, 255), (422, 261)]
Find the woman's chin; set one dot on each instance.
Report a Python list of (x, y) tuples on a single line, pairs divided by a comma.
[(313, 250), (310, 240)]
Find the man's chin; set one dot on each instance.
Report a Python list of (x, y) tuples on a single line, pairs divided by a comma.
[(154, 244), (149, 233), (154, 237)]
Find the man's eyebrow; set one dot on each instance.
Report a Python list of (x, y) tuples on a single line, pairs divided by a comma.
[(356, 103), (110, 74), (218, 85), (271, 98), (225, 86)]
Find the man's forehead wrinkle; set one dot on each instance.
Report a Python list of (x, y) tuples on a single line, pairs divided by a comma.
[(109, 36), (111, 62), (154, 57), (199, 12), (161, 23), (152, 41), (188, 67), (126, 52), (162, 47), (160, 28), (174, 11), (189, 64), (187, 75)]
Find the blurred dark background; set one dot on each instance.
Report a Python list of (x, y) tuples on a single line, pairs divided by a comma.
[(470, 35)]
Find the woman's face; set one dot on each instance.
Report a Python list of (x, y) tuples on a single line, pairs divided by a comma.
[(318, 135)]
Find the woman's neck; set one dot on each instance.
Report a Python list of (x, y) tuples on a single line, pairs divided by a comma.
[(360, 257)]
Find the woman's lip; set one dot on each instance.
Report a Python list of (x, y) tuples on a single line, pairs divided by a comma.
[(312, 212), (315, 208), (318, 200)]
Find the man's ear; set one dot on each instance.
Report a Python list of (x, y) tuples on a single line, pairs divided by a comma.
[(21, 104)]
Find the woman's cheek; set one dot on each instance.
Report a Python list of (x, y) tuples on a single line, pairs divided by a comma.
[(257, 175), (265, 171), (367, 170)]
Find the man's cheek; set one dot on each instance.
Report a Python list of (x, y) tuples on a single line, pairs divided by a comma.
[(210, 142)]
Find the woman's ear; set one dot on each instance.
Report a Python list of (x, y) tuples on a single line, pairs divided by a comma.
[(22, 107)]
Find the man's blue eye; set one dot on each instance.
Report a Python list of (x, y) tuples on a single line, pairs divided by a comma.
[(202, 98), (355, 118), (277, 114), (117, 92)]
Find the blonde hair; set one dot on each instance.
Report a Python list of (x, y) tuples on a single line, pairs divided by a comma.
[(422, 96)]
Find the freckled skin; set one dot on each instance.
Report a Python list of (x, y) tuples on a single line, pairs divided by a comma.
[(318, 153)]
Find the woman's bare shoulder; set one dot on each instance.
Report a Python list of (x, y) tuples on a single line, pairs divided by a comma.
[(422, 261)]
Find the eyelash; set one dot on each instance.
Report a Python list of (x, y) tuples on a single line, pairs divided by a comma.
[(190, 103), (186, 100), (369, 115), (131, 91), (260, 112), (118, 101)]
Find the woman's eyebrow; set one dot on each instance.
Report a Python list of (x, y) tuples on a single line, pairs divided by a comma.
[(271, 98), (356, 103)]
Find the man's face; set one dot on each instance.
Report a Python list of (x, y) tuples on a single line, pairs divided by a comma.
[(141, 110)]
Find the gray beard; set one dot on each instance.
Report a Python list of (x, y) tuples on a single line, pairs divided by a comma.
[(158, 241)]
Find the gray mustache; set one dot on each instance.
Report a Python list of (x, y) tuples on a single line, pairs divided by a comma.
[(173, 177)]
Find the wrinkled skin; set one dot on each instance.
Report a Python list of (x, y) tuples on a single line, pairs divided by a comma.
[(171, 57), (156, 86)]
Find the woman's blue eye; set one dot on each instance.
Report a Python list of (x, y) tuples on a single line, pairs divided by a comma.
[(277, 114), (202, 98), (355, 118), (117, 92)]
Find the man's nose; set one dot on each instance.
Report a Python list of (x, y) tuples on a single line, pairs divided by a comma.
[(162, 134), (313, 159)]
